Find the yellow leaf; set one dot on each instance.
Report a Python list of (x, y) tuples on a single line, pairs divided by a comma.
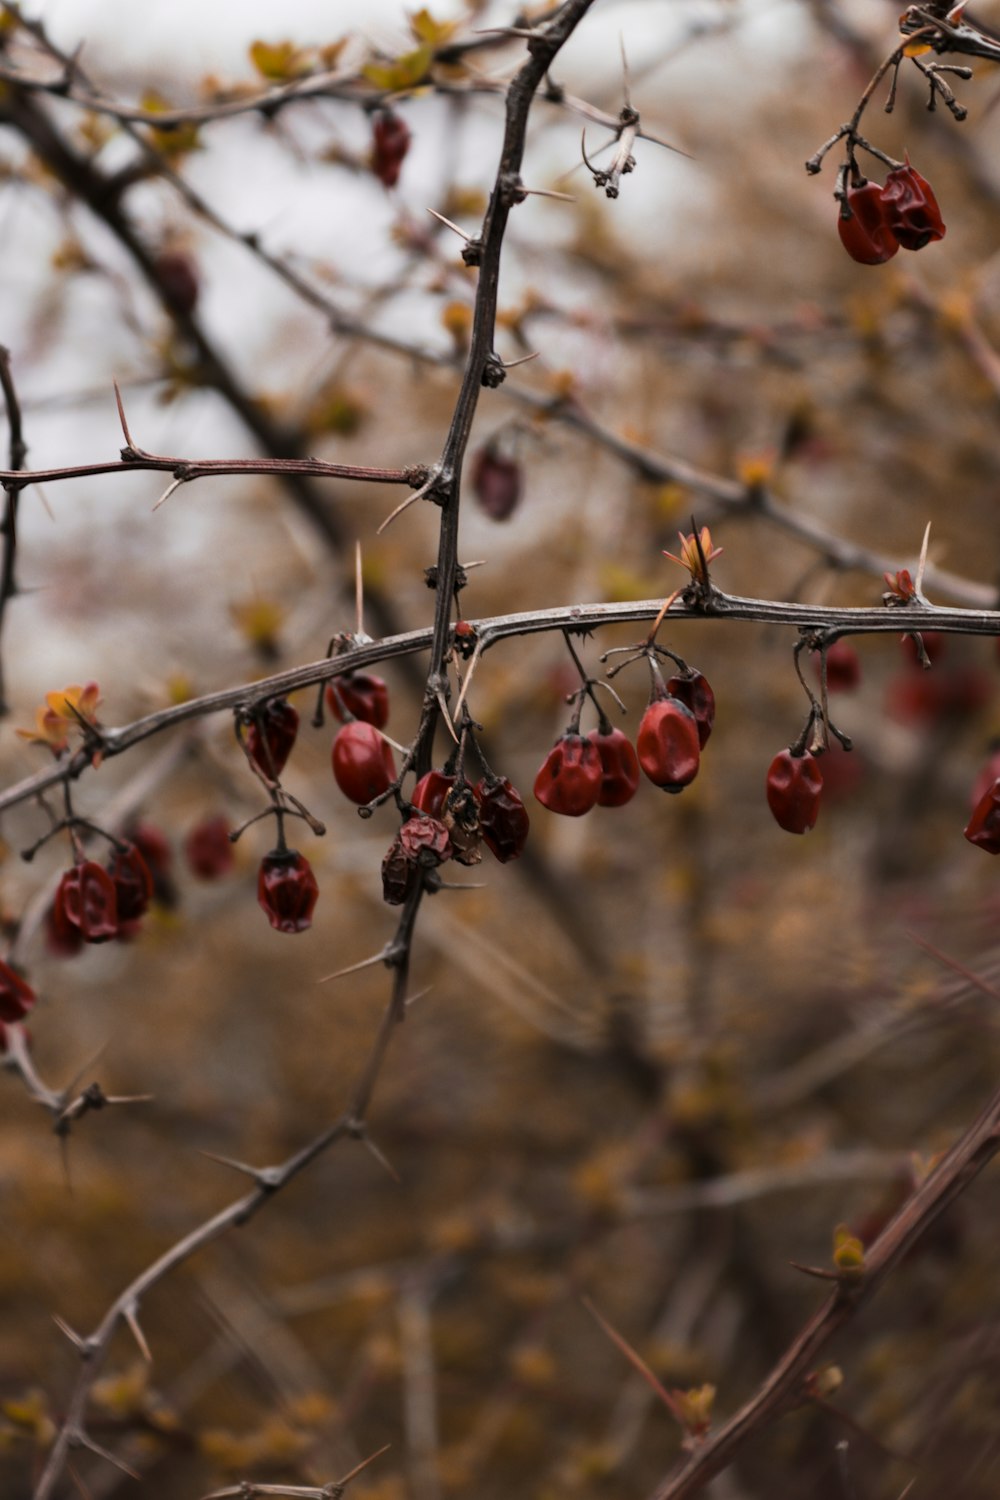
[(172, 140), (426, 29), (279, 62), (402, 73)]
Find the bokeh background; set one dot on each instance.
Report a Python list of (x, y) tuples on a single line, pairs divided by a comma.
[(673, 1047)]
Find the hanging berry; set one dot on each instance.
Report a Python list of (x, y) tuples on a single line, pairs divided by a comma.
[(496, 481), (363, 764), (843, 667), (16, 995), (569, 781), (619, 767), (863, 225), (86, 899), (390, 143), (794, 783), (668, 744), (430, 792), (425, 841), (695, 693), (359, 695), (271, 735), (910, 208), (398, 875), (503, 817), (287, 890), (983, 828), (133, 883), (208, 848)]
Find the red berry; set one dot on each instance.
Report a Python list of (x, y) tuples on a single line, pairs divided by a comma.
[(794, 783), (864, 232), (694, 692), (503, 818), (425, 841), (362, 762), (133, 883), (390, 143), (61, 938), (496, 482), (911, 209), (669, 744), (154, 846), (983, 828), (430, 792), (86, 899), (956, 693), (843, 667), (177, 277), (359, 695), (208, 848), (16, 995), (619, 767), (569, 781), (287, 890), (271, 734), (986, 777)]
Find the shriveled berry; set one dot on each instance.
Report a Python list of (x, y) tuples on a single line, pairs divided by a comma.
[(794, 783), (133, 883), (16, 995), (430, 792), (863, 226), (619, 767), (496, 482), (363, 764), (503, 818), (983, 828), (208, 848), (359, 695), (287, 890), (911, 209), (271, 735), (87, 900), (668, 744), (569, 781), (390, 143), (695, 693), (398, 875), (425, 841), (154, 846)]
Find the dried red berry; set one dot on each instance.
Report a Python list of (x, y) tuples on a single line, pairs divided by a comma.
[(271, 734), (61, 938), (363, 765), (154, 846), (496, 482), (287, 890), (16, 995), (133, 883), (398, 875), (425, 841), (208, 848), (911, 209), (359, 695), (984, 826), (390, 143), (503, 818), (694, 692), (668, 744), (430, 792), (619, 767), (864, 231), (843, 667), (86, 898), (569, 781), (794, 783), (177, 277)]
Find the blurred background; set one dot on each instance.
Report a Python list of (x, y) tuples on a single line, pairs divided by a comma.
[(673, 1047)]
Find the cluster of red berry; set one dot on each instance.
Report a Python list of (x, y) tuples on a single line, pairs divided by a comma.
[(875, 222), (94, 903)]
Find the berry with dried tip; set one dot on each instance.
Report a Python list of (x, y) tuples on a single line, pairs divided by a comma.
[(133, 883), (390, 143), (911, 209), (619, 767), (16, 995), (503, 817), (287, 890), (569, 781), (695, 692), (359, 695), (208, 848), (271, 735), (363, 764), (87, 900), (669, 744), (863, 226), (425, 841), (794, 783)]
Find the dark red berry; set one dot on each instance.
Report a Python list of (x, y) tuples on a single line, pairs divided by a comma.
[(863, 226), (16, 995), (569, 781), (86, 898), (496, 482), (425, 841), (694, 692), (208, 848), (843, 667), (177, 277), (154, 846), (390, 143), (984, 826), (61, 938), (911, 209), (363, 765), (986, 777), (619, 767), (271, 734), (668, 744), (794, 783), (503, 818), (287, 890), (133, 883), (359, 695), (398, 875), (919, 697), (430, 792)]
